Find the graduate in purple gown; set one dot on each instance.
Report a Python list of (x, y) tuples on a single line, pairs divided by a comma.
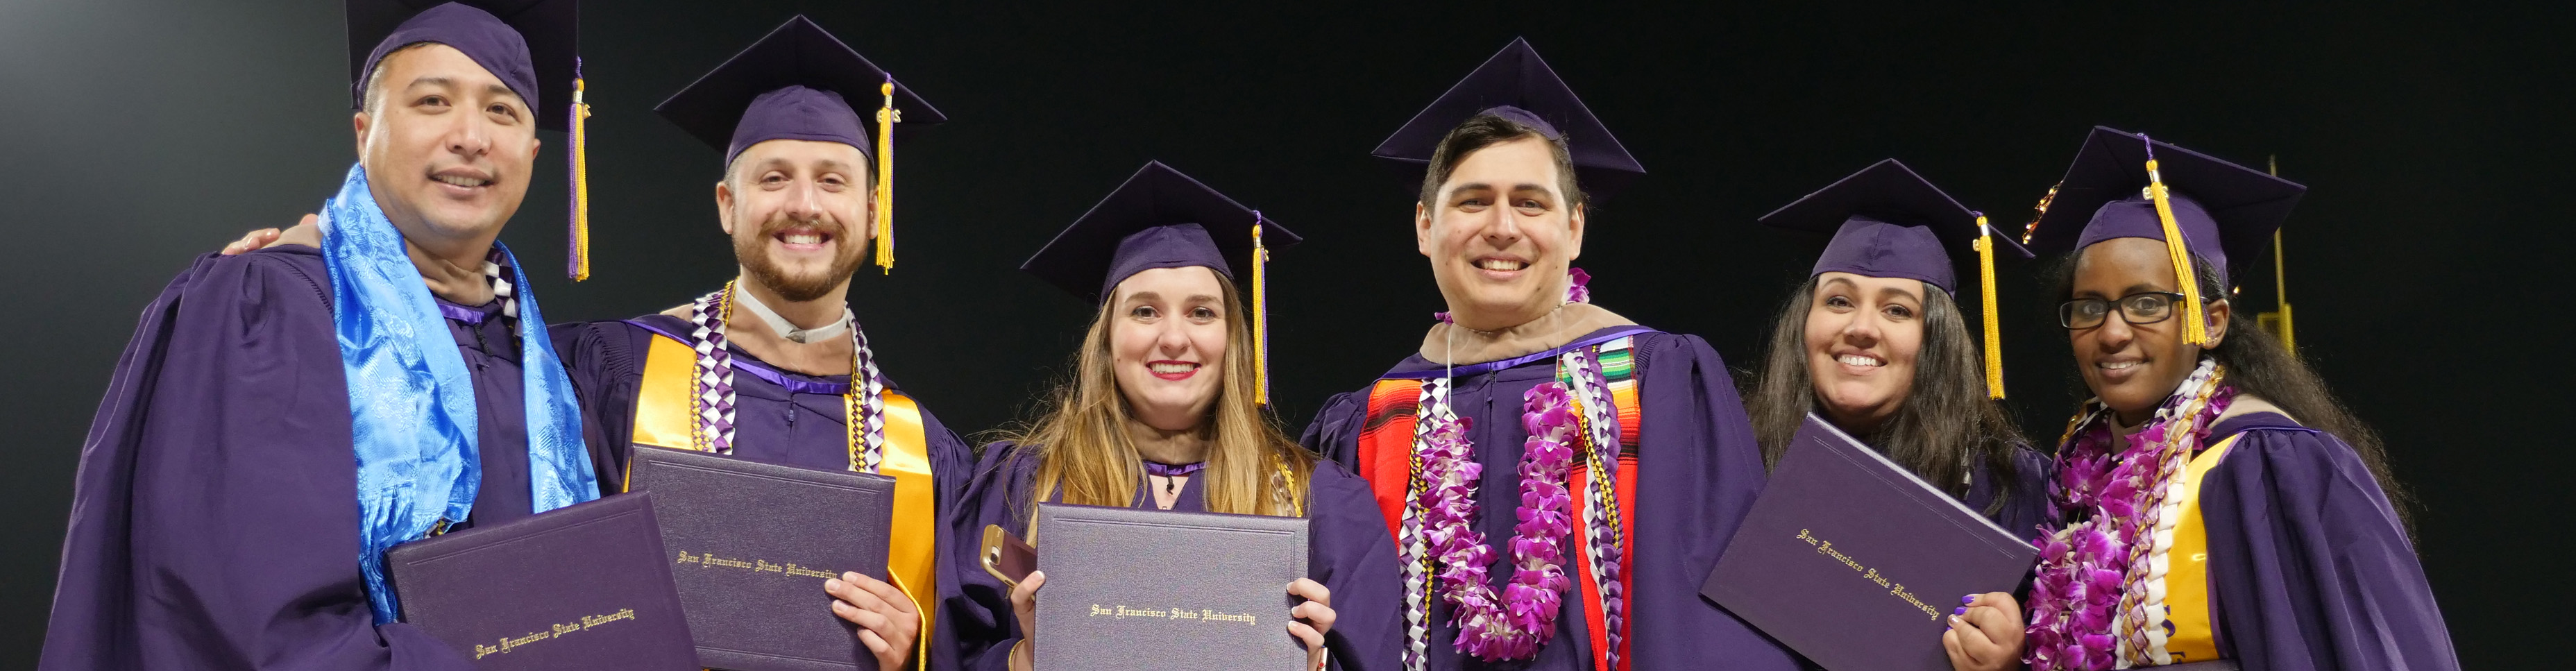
[(2214, 500), (1875, 342), (282, 417), (1578, 473), (1164, 409), (793, 379)]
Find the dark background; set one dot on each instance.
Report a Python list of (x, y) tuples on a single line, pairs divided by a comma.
[(138, 133)]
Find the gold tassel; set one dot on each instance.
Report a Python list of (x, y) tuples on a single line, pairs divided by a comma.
[(1260, 316), (579, 265), (2195, 330), (887, 117), (1994, 324)]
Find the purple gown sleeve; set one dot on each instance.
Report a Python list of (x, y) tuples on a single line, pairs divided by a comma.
[(214, 517), (1354, 559), (975, 606), (606, 363), (1698, 470), (2025, 510), (2309, 566), (1335, 430), (952, 464)]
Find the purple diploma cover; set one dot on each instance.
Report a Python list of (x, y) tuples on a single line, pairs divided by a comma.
[(580, 587), (750, 545), (1157, 590), (1855, 562)]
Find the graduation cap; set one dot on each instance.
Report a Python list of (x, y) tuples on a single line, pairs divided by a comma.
[(799, 83), (1515, 84), (533, 46), (1161, 218), (1888, 221), (2125, 185)]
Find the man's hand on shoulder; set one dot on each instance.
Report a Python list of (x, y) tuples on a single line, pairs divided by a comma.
[(307, 232)]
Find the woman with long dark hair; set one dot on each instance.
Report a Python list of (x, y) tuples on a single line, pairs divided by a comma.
[(1163, 410), (2214, 500), (1874, 343)]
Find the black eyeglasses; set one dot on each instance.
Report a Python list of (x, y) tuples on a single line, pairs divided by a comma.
[(2145, 307)]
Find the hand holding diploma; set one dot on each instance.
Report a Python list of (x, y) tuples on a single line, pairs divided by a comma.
[(1316, 615), (1309, 621), (888, 622), (1985, 633), (1024, 605)]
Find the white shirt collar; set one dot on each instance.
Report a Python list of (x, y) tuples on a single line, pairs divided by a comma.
[(789, 330)]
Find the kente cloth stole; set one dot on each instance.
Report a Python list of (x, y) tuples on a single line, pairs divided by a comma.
[(662, 419), (1385, 457), (1617, 360)]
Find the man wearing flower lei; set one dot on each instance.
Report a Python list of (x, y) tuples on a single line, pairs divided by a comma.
[(773, 366), (2214, 501), (1557, 479), (282, 417)]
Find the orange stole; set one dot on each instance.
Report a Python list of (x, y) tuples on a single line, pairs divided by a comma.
[(1386, 447), (662, 419), (1385, 458)]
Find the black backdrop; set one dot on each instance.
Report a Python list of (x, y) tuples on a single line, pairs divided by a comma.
[(141, 132)]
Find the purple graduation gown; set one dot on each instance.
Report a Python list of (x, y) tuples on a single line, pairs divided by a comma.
[(1348, 551), (2309, 567), (2025, 513), (1698, 469), (771, 424), (214, 518)]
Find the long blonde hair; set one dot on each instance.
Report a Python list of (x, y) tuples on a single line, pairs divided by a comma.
[(1081, 443)]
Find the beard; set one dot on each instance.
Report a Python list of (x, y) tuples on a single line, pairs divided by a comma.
[(752, 253)]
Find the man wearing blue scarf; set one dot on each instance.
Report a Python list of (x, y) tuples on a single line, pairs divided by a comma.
[(282, 417)]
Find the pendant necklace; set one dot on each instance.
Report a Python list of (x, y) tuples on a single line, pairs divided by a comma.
[(1172, 474)]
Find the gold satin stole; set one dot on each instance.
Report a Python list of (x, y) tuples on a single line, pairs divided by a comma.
[(662, 419), (2187, 567)]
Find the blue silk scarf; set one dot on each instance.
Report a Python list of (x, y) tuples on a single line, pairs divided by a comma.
[(411, 399)]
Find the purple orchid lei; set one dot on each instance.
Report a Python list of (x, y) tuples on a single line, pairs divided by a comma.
[(1522, 618), (1515, 623), (2086, 569), (1574, 292)]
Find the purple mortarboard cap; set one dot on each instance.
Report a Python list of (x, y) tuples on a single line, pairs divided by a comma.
[(797, 83), (1160, 218), (1515, 84), (2226, 212), (531, 45), (1888, 221)]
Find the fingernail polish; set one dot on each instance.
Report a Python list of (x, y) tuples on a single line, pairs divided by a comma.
[(1962, 610), (1969, 599)]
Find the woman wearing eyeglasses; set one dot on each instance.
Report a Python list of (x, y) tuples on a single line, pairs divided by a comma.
[(2214, 501)]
